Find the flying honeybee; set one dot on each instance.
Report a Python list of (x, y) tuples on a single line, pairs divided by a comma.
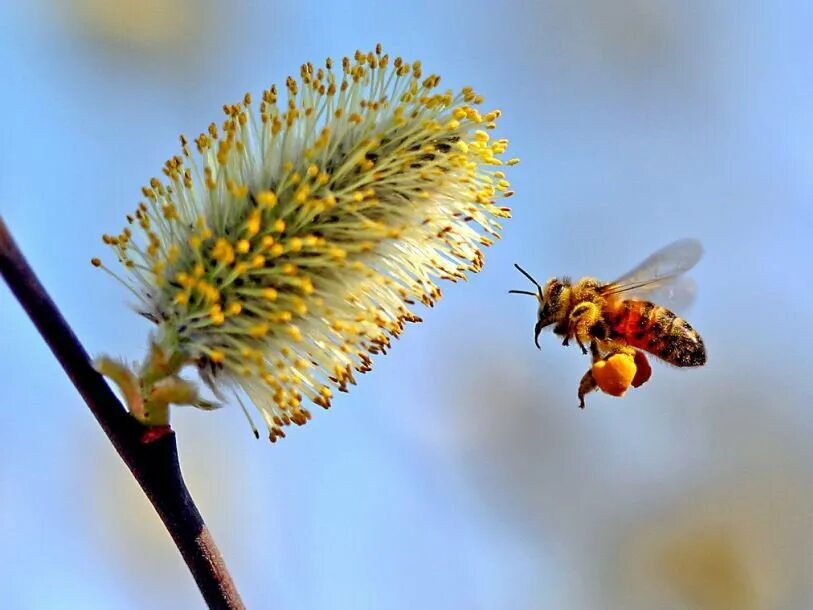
[(616, 316)]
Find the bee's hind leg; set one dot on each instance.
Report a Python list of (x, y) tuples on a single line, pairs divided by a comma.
[(588, 382), (586, 385), (594, 351)]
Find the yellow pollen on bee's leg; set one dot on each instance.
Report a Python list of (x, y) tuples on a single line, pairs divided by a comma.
[(615, 373)]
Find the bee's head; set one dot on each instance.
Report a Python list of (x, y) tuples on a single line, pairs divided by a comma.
[(551, 299)]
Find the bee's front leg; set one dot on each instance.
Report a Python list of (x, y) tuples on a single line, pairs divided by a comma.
[(562, 329)]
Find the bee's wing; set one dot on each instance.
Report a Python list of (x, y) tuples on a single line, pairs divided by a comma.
[(659, 277), (676, 293)]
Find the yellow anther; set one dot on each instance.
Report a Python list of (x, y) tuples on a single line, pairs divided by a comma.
[(258, 330), (241, 267), (223, 251), (184, 279), (301, 195), (170, 212), (253, 223), (267, 199), (216, 316), (337, 253)]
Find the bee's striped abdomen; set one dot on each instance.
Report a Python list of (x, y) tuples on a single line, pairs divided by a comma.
[(658, 331)]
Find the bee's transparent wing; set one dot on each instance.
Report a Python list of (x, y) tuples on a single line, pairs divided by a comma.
[(676, 294), (660, 277)]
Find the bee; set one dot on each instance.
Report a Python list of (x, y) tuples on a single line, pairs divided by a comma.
[(615, 317)]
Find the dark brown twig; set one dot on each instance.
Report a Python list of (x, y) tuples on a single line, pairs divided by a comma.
[(154, 463)]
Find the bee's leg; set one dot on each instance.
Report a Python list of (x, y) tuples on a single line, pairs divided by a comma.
[(562, 329), (588, 382), (582, 319), (586, 385), (594, 351)]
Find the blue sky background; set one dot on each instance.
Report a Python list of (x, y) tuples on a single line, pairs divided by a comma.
[(459, 474)]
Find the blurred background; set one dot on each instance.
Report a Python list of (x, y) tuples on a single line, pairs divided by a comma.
[(459, 474)]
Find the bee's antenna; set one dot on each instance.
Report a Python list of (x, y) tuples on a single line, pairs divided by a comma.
[(533, 294), (530, 277)]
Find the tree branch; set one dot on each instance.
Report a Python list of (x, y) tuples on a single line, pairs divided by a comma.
[(151, 457)]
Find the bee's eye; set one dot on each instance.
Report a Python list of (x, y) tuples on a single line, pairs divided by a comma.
[(552, 290)]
